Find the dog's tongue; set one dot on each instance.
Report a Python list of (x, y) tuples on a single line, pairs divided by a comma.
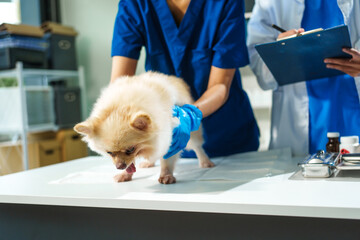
[(131, 168)]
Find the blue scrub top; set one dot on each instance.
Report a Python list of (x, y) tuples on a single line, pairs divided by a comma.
[(333, 102), (211, 34)]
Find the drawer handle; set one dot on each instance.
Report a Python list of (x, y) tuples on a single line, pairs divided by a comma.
[(49, 152), (74, 137)]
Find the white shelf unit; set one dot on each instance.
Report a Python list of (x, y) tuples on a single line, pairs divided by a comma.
[(45, 76)]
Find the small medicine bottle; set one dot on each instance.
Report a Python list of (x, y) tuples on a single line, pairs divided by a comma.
[(333, 145)]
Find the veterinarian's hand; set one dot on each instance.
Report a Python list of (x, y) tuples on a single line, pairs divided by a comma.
[(290, 32), (350, 66), (189, 120)]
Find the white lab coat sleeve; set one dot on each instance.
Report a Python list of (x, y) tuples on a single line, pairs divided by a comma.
[(259, 30), (351, 13), (356, 45)]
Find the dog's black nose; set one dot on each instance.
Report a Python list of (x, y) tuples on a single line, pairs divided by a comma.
[(120, 165)]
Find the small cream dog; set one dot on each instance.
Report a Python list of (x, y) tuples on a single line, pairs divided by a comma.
[(133, 118)]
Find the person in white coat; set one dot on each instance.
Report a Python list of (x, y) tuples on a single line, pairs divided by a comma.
[(303, 113)]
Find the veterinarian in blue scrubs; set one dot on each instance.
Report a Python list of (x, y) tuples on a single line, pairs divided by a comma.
[(203, 42), (304, 112)]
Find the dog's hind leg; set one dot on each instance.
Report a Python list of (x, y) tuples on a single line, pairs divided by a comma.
[(195, 143)]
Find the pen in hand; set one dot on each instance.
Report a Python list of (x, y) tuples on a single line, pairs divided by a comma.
[(278, 28)]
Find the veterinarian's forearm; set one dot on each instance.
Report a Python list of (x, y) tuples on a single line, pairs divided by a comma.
[(122, 66), (212, 99), (217, 92)]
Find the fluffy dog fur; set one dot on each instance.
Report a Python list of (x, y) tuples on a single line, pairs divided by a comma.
[(133, 118)]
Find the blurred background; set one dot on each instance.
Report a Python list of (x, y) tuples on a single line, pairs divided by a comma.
[(73, 65)]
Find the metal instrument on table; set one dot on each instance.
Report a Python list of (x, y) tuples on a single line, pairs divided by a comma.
[(320, 164)]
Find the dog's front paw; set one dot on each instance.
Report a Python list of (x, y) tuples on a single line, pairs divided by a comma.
[(167, 179), (123, 177), (146, 164)]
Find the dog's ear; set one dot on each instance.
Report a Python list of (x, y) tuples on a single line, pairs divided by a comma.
[(141, 121), (84, 128)]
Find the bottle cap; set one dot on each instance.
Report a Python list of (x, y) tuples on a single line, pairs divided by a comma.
[(333, 134), (349, 139)]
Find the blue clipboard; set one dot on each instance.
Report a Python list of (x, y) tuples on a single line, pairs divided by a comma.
[(302, 58)]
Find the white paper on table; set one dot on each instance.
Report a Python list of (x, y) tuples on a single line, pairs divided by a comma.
[(244, 166)]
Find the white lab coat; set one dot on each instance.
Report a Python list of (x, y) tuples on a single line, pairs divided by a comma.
[(290, 111)]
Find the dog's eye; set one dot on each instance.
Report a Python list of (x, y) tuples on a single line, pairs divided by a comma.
[(110, 153), (130, 150)]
